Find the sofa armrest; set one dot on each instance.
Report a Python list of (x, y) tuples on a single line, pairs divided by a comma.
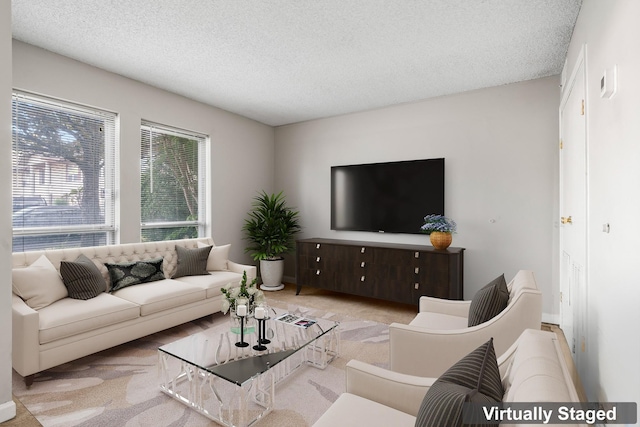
[(252, 271), (444, 306), (398, 391), (25, 341)]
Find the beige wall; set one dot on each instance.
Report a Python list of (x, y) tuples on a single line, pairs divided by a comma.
[(7, 407), (610, 31), (241, 154), (500, 149)]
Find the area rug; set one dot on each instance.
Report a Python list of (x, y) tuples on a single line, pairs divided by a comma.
[(119, 386)]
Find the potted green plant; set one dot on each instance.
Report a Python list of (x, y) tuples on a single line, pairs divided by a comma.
[(270, 230), (440, 230)]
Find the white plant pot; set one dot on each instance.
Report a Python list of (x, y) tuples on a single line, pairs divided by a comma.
[(271, 272)]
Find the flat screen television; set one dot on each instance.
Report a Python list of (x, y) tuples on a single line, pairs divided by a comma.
[(391, 197)]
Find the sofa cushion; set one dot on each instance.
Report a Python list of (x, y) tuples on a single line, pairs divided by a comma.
[(212, 282), (127, 274), (352, 410), (39, 284), (192, 262), (166, 294), (218, 257), (475, 378), (68, 317), (82, 278), (489, 301)]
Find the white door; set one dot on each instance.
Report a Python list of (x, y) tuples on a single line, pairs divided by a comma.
[(573, 212)]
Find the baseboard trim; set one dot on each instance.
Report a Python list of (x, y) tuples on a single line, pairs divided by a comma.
[(551, 318), (7, 411)]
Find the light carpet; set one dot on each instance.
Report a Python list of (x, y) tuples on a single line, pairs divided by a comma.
[(119, 386)]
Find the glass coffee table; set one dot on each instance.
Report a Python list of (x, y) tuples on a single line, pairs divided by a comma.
[(234, 384)]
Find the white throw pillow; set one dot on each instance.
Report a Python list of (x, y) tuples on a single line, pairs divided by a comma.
[(39, 284), (218, 257)]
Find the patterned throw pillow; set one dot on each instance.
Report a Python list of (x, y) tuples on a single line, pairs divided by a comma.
[(192, 262), (474, 379), (134, 273), (489, 301), (82, 278)]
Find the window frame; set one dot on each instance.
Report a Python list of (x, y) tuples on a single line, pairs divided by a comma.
[(111, 142), (203, 167)]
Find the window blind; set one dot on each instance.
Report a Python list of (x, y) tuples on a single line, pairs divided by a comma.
[(172, 173), (63, 160)]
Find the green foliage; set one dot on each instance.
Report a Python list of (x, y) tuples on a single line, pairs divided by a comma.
[(270, 227), (247, 293), (169, 179), (169, 185), (177, 233)]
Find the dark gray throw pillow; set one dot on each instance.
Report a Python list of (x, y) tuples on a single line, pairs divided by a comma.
[(192, 262), (82, 278), (133, 273), (489, 301), (474, 379)]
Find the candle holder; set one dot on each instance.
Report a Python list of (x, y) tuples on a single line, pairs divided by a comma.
[(260, 314), (260, 346), (262, 332), (264, 339), (241, 343), (241, 311)]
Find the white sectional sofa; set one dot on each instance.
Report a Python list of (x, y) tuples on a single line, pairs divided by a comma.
[(60, 329), (533, 370)]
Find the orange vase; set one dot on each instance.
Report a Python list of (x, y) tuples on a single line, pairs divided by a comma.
[(440, 239)]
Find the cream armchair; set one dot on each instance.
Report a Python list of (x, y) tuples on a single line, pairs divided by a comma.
[(439, 336), (376, 397)]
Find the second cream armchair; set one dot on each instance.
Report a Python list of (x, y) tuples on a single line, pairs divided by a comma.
[(439, 336)]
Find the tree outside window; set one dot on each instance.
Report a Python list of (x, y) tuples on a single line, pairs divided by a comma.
[(172, 196), (50, 138)]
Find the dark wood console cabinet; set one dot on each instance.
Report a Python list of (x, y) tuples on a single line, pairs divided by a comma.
[(387, 271)]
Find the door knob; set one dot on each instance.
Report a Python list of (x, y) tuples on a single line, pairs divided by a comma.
[(566, 220)]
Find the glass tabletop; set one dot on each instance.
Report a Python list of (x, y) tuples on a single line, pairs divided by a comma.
[(282, 335)]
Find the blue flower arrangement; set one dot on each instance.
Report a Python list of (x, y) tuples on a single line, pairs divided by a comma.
[(438, 223)]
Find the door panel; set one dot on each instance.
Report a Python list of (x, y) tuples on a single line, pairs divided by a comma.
[(573, 212)]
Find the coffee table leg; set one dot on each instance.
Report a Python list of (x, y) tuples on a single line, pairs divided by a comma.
[(217, 399)]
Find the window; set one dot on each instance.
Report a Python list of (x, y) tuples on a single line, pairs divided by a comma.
[(172, 173), (53, 141)]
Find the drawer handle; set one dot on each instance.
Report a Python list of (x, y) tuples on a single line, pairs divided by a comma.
[(416, 255), (417, 270), (362, 250), (362, 264), (318, 246), (416, 285), (362, 279), (318, 259), (317, 272)]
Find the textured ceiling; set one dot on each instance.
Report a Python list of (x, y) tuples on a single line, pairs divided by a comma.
[(285, 61)]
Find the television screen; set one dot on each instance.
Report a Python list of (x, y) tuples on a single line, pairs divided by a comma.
[(391, 197)]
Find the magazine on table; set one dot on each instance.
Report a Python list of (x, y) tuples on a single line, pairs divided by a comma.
[(292, 319)]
